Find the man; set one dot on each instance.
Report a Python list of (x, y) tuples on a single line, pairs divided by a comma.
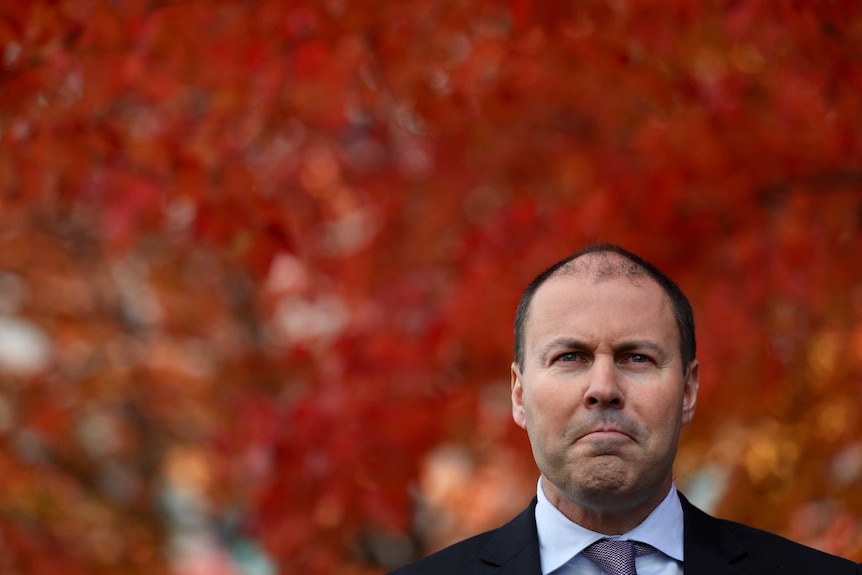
[(604, 378)]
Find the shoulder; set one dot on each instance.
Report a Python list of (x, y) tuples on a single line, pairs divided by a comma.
[(766, 548), (515, 544), (455, 558), (755, 550)]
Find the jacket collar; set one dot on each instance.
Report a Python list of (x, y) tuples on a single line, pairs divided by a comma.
[(709, 547), (514, 547)]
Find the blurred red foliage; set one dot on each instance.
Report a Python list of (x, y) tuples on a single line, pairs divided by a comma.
[(259, 263)]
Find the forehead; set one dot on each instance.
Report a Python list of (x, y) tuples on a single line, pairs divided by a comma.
[(587, 305)]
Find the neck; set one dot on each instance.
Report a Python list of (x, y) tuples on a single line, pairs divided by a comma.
[(613, 518)]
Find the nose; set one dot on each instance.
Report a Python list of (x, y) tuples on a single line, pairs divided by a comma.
[(603, 386)]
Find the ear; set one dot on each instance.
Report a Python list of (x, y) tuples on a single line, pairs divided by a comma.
[(689, 394), (518, 398)]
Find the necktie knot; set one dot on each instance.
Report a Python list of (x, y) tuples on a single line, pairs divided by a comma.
[(617, 557)]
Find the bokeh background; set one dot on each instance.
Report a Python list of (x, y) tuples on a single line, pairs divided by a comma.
[(259, 263)]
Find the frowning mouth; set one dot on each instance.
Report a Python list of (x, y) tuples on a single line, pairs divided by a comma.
[(608, 428), (605, 434)]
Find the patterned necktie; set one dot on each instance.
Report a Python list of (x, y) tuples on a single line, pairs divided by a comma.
[(617, 557)]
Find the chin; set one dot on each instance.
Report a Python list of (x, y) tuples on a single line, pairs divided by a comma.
[(597, 488)]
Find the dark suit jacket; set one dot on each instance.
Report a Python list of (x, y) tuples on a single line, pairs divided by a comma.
[(711, 546)]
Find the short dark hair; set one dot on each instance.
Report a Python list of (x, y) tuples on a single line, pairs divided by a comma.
[(682, 311)]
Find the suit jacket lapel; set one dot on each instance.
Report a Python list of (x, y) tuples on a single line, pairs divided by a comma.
[(514, 547), (709, 548)]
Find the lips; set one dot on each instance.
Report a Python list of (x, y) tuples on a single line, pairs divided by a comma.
[(606, 433), (608, 430)]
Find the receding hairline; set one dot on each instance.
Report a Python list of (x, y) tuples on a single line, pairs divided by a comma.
[(601, 266), (603, 262)]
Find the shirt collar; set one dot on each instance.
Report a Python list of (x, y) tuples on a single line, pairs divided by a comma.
[(560, 539)]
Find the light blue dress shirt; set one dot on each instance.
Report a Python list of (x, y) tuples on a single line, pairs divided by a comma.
[(561, 541)]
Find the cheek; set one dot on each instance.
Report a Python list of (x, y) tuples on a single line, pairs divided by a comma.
[(664, 421), (660, 413), (549, 414)]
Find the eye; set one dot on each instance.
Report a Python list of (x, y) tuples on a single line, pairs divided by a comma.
[(638, 358), (569, 357)]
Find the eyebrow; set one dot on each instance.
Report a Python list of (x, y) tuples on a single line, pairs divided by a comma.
[(628, 346), (550, 348), (655, 349)]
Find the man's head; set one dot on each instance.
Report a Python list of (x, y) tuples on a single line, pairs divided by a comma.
[(604, 384), (627, 264)]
